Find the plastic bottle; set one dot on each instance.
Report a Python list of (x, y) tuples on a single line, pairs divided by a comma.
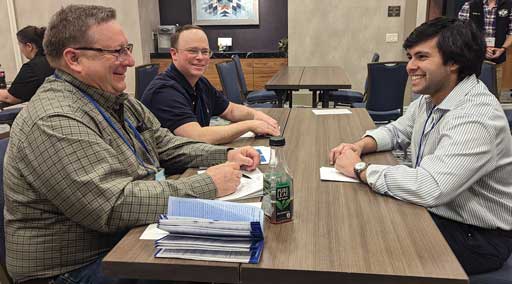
[(278, 185), (3, 84)]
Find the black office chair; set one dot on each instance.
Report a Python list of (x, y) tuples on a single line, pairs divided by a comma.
[(144, 74), (347, 97), (501, 276), (256, 96), (231, 86), (386, 86), (489, 77), (7, 116), (4, 277)]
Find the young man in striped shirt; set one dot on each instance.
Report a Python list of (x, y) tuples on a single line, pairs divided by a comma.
[(461, 146)]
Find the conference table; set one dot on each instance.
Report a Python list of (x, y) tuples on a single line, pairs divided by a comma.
[(341, 232), (314, 78)]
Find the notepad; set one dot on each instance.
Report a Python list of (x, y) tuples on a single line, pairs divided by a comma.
[(250, 186), (331, 111), (331, 174), (211, 230)]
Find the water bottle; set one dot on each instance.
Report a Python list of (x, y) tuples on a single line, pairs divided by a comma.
[(278, 185), (3, 84)]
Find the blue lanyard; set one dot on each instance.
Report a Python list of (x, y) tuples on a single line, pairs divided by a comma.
[(130, 125), (420, 151)]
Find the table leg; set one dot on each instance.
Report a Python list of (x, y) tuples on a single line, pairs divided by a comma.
[(290, 97), (325, 99), (280, 97), (314, 103)]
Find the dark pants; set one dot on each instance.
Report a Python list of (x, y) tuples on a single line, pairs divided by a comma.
[(478, 250)]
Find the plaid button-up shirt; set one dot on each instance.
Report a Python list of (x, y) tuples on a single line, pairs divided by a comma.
[(73, 187), (489, 18)]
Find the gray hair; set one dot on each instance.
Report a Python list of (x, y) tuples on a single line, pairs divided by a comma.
[(69, 28)]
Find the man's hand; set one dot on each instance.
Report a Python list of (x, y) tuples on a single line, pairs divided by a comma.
[(494, 52), (337, 151), (226, 177), (247, 157), (262, 128), (258, 115), (346, 161)]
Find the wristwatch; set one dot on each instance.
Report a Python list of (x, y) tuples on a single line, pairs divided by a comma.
[(359, 168)]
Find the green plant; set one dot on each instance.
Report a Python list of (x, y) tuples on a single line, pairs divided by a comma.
[(282, 44)]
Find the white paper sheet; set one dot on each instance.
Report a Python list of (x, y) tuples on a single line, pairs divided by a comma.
[(328, 173), (331, 111), (248, 134)]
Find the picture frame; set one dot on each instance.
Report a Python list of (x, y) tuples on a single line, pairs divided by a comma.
[(223, 12)]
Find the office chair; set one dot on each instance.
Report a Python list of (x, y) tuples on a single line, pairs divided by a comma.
[(4, 277), (231, 86), (256, 96), (501, 276), (488, 76), (386, 86), (144, 74), (346, 97), (7, 116)]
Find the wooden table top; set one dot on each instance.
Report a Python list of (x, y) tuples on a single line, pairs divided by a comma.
[(309, 77), (341, 232), (345, 232)]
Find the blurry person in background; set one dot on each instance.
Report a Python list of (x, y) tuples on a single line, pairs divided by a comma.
[(32, 73)]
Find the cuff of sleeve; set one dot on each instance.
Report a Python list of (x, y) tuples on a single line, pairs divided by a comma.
[(373, 177), (217, 155), (382, 139), (198, 186)]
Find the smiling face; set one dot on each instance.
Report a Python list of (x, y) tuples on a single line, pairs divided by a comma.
[(191, 65), (429, 75), (104, 70)]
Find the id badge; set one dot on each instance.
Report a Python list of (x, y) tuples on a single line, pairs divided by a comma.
[(490, 41), (160, 176)]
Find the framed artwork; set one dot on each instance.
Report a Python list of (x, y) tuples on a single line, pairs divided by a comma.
[(225, 12)]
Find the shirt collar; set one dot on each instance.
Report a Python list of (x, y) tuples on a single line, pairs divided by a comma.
[(175, 73), (104, 99), (458, 93)]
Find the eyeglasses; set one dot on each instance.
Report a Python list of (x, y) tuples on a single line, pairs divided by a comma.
[(121, 54), (197, 51)]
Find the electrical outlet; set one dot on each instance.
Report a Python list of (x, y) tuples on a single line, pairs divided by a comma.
[(392, 37)]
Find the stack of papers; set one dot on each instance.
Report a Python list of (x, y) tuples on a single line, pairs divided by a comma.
[(328, 173), (211, 230), (251, 185)]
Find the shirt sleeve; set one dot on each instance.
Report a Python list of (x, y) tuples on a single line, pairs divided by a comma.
[(26, 83), (464, 12), (80, 173), (462, 156), (170, 106), (220, 101)]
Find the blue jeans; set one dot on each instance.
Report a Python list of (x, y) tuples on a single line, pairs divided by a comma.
[(92, 274)]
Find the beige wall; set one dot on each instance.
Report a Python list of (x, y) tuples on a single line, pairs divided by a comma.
[(138, 18), (346, 33), (6, 45)]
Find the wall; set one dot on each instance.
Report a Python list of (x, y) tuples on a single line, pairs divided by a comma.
[(343, 33), (6, 45), (138, 18), (263, 37)]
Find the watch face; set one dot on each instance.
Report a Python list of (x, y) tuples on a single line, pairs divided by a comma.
[(360, 166)]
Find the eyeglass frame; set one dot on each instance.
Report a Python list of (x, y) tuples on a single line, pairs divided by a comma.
[(118, 53), (196, 51)]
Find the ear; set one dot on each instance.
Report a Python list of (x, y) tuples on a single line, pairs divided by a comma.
[(174, 53), (453, 67), (71, 58)]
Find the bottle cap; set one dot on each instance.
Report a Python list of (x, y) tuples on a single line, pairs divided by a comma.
[(276, 141)]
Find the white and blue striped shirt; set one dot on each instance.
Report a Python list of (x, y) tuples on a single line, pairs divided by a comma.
[(461, 157)]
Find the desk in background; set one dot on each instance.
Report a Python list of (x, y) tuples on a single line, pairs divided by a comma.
[(313, 78), (341, 232)]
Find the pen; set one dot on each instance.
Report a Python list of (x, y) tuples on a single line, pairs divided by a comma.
[(246, 176)]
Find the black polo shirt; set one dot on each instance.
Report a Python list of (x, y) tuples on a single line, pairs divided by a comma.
[(30, 77), (175, 102)]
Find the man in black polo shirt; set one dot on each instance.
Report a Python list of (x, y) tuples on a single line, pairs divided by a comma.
[(184, 101), (494, 19)]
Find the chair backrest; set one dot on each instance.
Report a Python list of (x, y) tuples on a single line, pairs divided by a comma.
[(229, 81), (3, 148), (144, 74), (240, 73), (386, 85), (375, 58), (488, 76)]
